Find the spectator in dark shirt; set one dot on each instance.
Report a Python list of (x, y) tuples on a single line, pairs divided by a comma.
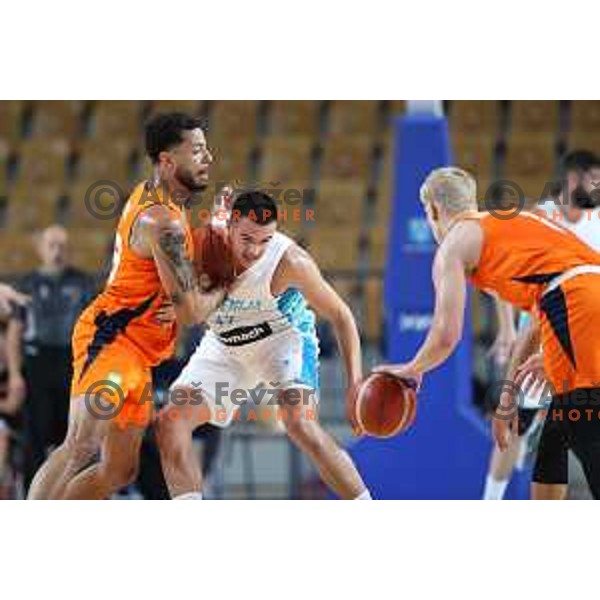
[(39, 345)]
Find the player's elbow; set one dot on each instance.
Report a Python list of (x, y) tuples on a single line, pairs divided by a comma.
[(341, 317)]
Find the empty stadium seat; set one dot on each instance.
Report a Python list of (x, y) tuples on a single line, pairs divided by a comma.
[(286, 158), (233, 119), (190, 107), (29, 214), (4, 156), (231, 161), (11, 117), (530, 157), (347, 158), (117, 119), (96, 206), (32, 193), (295, 118), (90, 248), (43, 161), (57, 118), (104, 159), (584, 140), (537, 188), (295, 205), (474, 154), (535, 116), (382, 210), (474, 117), (22, 256), (384, 180), (378, 236), (374, 310), (339, 203), (346, 287), (294, 229), (354, 117), (334, 248), (585, 116)]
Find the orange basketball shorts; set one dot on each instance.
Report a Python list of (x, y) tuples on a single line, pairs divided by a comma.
[(110, 376)]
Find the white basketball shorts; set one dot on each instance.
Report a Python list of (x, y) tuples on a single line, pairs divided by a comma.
[(228, 376)]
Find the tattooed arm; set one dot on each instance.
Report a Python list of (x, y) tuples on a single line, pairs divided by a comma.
[(156, 234)]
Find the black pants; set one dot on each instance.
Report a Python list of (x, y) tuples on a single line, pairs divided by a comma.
[(572, 423), (46, 407)]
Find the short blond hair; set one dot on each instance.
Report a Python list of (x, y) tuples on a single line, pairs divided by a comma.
[(453, 188)]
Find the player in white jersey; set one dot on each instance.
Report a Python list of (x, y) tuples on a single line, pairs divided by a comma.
[(574, 205), (262, 341)]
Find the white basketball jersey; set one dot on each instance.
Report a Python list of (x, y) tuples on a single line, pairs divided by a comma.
[(250, 312), (588, 228)]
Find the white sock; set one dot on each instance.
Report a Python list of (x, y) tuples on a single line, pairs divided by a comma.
[(366, 495), (189, 496), (494, 489)]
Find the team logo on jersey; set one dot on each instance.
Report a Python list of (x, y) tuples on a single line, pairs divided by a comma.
[(246, 335), (241, 304)]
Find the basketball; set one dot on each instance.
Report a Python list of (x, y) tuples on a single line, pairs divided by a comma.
[(213, 260), (383, 405)]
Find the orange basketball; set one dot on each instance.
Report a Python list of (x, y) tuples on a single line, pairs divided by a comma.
[(383, 405), (213, 260)]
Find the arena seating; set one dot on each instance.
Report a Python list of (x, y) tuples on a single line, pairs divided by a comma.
[(51, 152)]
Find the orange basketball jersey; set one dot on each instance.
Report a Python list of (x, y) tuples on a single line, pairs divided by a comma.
[(133, 290), (522, 255), (529, 261)]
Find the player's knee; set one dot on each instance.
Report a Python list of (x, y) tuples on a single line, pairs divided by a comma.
[(121, 473), (172, 436), (180, 419), (80, 451)]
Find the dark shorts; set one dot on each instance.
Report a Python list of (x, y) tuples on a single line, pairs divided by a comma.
[(526, 419), (552, 459), (572, 423)]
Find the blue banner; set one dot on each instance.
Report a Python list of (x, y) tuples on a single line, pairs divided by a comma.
[(445, 453)]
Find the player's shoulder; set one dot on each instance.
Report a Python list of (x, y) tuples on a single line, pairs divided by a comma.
[(296, 267), (463, 242), (464, 236), (156, 219), (294, 254)]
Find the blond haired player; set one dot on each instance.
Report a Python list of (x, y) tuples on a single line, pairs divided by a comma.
[(537, 266)]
